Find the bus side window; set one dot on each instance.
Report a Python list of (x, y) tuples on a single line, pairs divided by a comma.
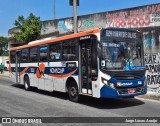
[(43, 53), (13, 56), (70, 50), (24, 55), (33, 54), (55, 52)]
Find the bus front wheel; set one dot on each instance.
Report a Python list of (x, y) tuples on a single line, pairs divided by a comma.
[(73, 92), (26, 83)]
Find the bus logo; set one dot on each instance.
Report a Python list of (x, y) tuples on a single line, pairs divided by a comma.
[(124, 84), (40, 70)]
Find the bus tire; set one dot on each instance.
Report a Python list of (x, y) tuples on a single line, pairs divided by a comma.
[(26, 83), (73, 92)]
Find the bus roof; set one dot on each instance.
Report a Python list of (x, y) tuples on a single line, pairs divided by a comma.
[(52, 40)]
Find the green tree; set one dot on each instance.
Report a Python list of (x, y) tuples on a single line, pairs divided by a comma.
[(30, 28), (3, 42)]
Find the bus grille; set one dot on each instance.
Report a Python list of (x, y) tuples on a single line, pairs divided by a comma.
[(125, 90)]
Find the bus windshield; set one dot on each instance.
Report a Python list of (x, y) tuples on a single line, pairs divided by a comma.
[(120, 54)]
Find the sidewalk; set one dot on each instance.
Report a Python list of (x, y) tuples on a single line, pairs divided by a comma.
[(5, 74), (150, 96)]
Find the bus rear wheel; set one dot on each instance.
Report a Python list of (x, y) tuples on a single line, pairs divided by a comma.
[(26, 83), (73, 92)]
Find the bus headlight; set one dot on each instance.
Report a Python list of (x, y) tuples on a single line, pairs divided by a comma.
[(104, 81), (112, 85)]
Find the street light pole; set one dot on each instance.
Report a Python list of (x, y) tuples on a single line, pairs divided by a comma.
[(54, 9), (75, 15)]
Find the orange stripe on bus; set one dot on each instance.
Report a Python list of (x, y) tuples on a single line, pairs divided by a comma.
[(10, 69), (38, 74), (25, 69), (58, 39)]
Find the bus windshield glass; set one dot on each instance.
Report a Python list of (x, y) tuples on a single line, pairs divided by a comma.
[(121, 53)]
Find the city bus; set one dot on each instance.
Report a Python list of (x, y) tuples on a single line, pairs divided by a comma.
[(101, 63)]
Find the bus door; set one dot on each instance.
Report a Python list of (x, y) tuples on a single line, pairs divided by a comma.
[(86, 80), (17, 67)]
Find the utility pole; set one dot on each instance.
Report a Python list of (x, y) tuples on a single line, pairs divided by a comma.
[(74, 3), (75, 15), (54, 9)]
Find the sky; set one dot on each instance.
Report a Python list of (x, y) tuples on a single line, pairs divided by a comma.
[(11, 9)]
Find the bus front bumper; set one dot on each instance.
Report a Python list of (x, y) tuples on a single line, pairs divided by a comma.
[(108, 92)]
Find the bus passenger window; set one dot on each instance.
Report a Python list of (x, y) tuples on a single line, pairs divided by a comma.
[(13, 57), (69, 50), (43, 53), (24, 55), (34, 54), (55, 52)]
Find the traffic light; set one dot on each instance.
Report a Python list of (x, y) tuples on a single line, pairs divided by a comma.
[(71, 2)]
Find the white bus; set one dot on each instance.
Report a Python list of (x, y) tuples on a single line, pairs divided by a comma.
[(101, 63)]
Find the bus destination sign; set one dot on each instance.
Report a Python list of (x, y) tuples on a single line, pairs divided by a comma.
[(121, 34)]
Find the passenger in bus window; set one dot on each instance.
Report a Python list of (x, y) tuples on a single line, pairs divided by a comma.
[(121, 57), (54, 55)]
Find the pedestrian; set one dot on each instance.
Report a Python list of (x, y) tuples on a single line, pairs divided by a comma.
[(1, 68)]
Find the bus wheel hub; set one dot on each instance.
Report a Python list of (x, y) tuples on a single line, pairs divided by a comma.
[(73, 91)]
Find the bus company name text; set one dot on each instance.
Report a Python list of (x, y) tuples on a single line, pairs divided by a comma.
[(56, 70)]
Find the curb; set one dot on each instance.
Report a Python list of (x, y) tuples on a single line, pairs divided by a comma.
[(150, 97), (4, 76), (147, 99)]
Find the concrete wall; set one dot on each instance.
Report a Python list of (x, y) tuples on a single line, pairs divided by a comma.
[(144, 18)]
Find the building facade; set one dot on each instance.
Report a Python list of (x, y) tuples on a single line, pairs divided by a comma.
[(144, 18)]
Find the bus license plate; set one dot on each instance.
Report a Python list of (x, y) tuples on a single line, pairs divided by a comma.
[(131, 91)]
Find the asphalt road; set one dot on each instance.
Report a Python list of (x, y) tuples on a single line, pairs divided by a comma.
[(16, 102)]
